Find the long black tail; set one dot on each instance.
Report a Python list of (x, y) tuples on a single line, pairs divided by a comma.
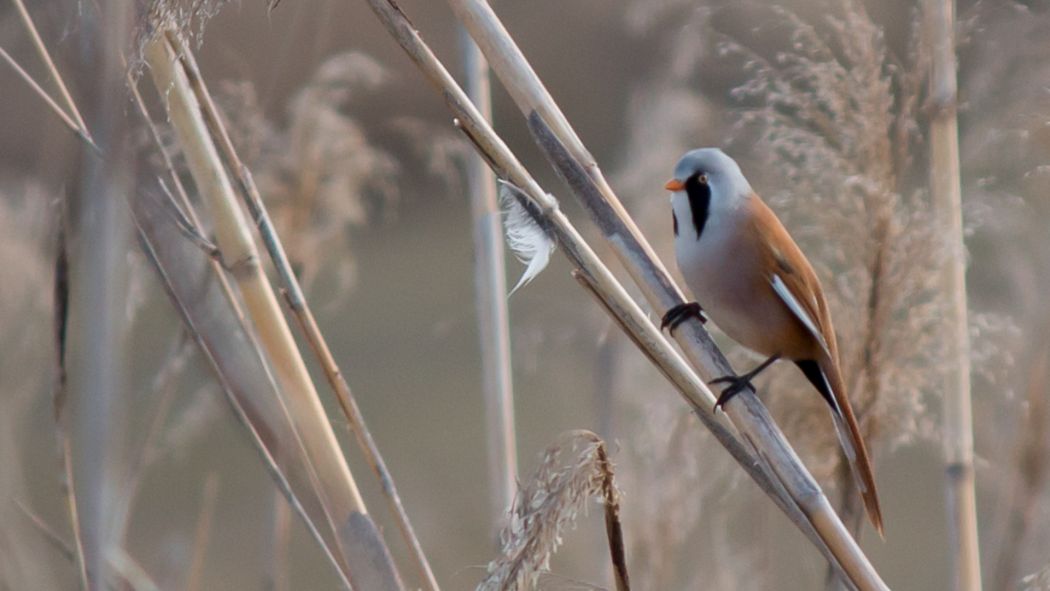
[(833, 391)]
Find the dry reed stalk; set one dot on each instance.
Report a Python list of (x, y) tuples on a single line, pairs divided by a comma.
[(264, 416), (301, 310), (548, 504), (544, 208), (183, 203), (490, 287), (70, 501), (97, 400), (277, 565), (130, 573), (202, 535), (50, 102), (53, 537), (45, 56), (240, 255), (211, 318), (946, 194), (361, 553), (577, 167)]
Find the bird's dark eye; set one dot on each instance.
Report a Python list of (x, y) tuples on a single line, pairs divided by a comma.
[(702, 178)]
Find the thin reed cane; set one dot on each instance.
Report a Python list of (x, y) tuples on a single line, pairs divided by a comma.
[(490, 289), (946, 193), (45, 56)]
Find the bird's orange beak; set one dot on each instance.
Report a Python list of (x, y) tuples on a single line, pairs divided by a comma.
[(674, 185)]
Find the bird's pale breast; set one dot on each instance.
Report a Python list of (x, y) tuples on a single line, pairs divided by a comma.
[(723, 270)]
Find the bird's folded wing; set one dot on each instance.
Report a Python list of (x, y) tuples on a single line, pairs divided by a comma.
[(792, 277), (784, 292)]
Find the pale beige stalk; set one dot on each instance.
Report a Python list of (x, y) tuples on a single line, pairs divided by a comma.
[(233, 234), (946, 193), (340, 499), (300, 308), (98, 401)]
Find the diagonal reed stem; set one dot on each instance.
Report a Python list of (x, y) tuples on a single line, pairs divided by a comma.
[(362, 553), (301, 310), (45, 56), (80, 132)]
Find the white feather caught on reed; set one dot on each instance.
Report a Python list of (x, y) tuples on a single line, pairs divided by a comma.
[(526, 239)]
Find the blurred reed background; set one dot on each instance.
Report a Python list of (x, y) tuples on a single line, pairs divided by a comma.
[(823, 102)]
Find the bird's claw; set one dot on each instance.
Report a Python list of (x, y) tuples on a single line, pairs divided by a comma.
[(680, 314), (737, 384)]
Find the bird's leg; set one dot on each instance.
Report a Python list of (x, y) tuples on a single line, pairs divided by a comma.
[(680, 314), (738, 383)]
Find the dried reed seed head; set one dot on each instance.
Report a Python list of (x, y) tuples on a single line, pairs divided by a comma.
[(187, 17), (571, 471), (320, 173)]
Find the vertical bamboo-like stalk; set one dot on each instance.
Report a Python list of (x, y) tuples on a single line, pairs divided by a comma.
[(202, 534), (98, 289), (947, 200), (490, 286)]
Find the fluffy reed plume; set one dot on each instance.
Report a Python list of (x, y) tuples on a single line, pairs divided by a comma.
[(189, 17), (319, 172), (572, 471), (836, 118)]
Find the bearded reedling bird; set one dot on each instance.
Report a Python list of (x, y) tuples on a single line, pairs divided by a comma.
[(755, 283)]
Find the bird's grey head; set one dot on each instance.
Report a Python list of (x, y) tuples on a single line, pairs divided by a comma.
[(712, 167)]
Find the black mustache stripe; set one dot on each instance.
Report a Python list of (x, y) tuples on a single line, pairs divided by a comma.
[(699, 201)]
